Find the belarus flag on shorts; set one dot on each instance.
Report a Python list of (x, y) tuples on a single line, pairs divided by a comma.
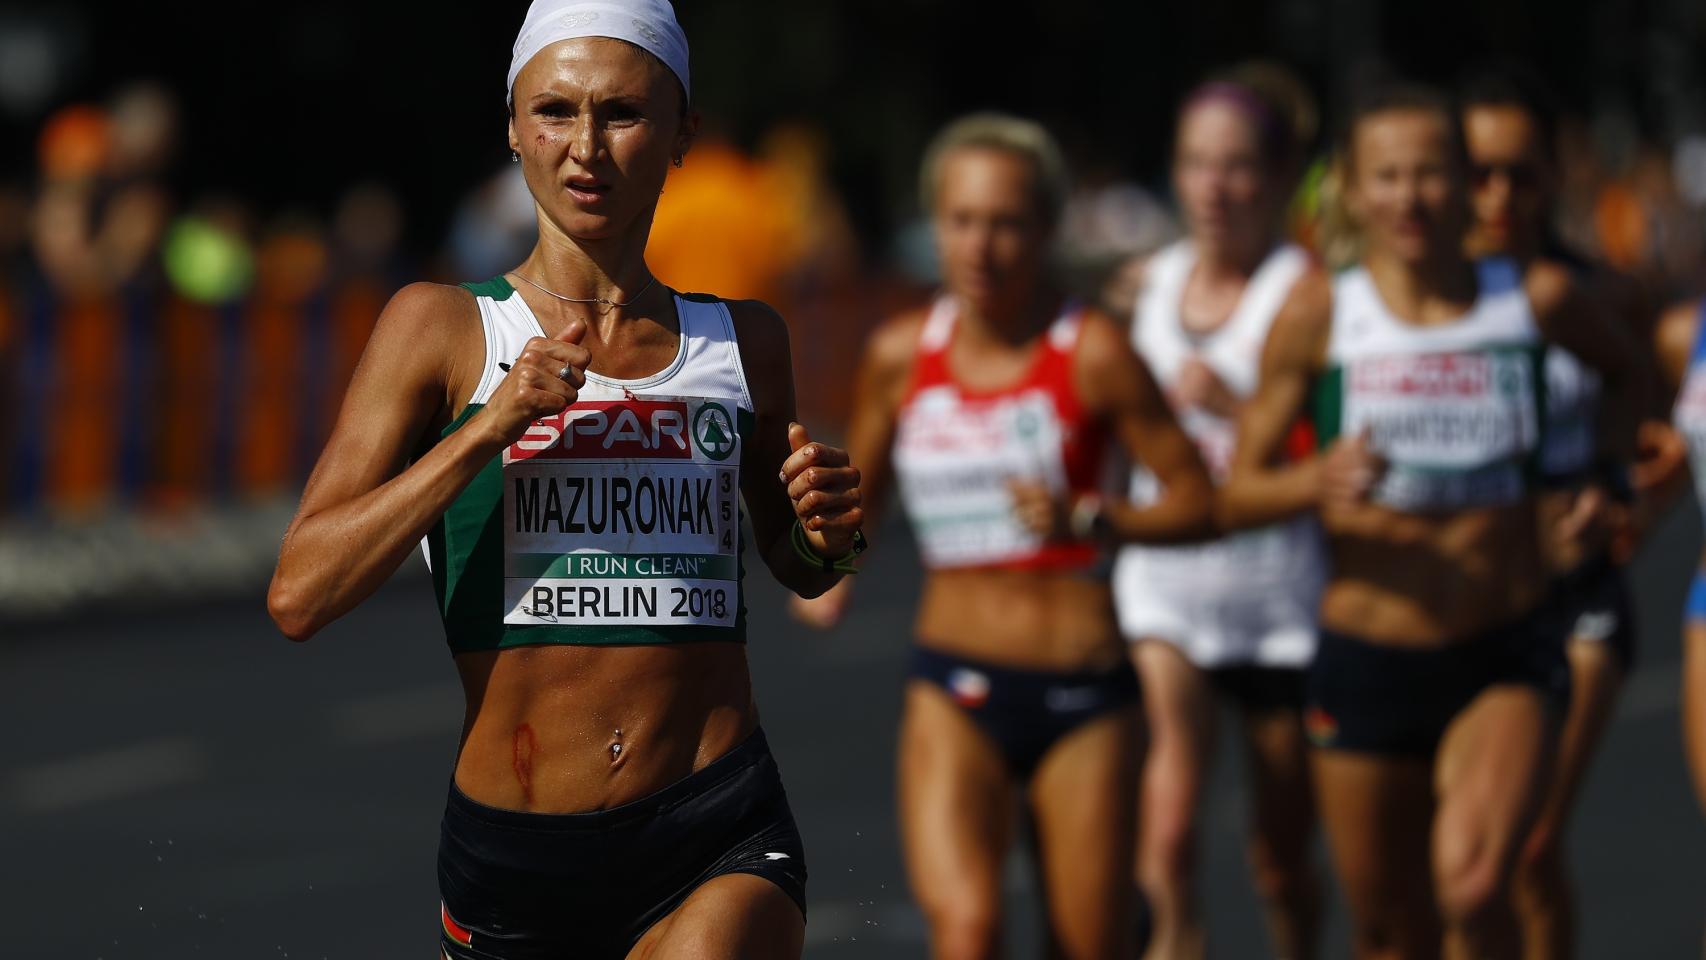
[(452, 929)]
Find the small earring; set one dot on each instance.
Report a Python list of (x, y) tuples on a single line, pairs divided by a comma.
[(514, 157), (676, 162)]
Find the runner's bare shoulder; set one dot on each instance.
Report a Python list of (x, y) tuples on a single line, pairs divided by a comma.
[(1549, 286), (429, 335), (1298, 336), (1101, 333), (427, 309), (1674, 338), (892, 347)]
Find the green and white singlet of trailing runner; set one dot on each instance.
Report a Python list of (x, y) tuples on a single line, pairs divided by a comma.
[(615, 521), (1455, 409)]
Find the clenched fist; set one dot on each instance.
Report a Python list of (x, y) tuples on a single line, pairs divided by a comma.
[(545, 379)]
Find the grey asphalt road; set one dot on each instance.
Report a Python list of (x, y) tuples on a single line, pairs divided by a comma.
[(186, 783)]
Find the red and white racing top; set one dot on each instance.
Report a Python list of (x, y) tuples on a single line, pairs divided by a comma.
[(957, 449)]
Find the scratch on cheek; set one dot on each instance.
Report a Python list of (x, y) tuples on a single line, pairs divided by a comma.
[(525, 744)]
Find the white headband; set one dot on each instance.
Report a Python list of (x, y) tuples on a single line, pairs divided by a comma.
[(647, 24)]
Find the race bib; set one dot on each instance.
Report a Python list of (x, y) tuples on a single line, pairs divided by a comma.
[(1455, 428), (624, 512), (956, 460)]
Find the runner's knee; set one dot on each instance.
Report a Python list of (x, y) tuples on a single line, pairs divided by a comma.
[(964, 928), (1168, 852), (1471, 873), (1470, 890)]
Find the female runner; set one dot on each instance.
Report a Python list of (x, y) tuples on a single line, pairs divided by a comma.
[(1436, 687), (574, 443), (1509, 132), (991, 408), (1235, 616)]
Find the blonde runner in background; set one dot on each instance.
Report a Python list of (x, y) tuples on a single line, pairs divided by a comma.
[(992, 408)]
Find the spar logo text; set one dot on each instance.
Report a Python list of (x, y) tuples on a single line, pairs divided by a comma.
[(608, 430)]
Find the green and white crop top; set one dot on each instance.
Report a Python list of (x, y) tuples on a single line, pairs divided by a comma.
[(1455, 409), (616, 521)]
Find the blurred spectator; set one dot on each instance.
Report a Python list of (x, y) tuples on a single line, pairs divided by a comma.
[(783, 237), (88, 331), (367, 267), (1622, 200), (14, 243), (1109, 223), (823, 291), (271, 406), (723, 226), (817, 246), (210, 267), (103, 205), (1672, 231), (494, 227)]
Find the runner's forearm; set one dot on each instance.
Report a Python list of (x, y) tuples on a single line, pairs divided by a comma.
[(1175, 518), (1267, 496), (335, 558)]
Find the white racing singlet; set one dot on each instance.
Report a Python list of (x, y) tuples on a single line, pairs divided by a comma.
[(615, 521), (1245, 599), (1453, 408)]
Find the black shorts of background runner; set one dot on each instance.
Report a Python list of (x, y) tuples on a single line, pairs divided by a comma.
[(540, 886), (1399, 701), (1261, 690), (1026, 711)]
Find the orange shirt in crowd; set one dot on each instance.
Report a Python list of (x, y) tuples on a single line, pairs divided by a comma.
[(269, 394), (721, 227)]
